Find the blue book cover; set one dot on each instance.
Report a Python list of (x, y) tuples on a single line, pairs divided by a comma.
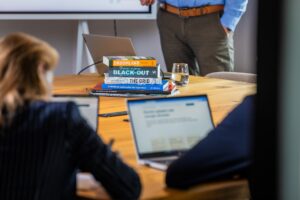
[(159, 87)]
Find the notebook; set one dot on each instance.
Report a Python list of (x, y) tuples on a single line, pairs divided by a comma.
[(165, 128), (99, 46), (87, 105)]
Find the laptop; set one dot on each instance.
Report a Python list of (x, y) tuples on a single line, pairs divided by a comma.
[(87, 105), (99, 46), (165, 128)]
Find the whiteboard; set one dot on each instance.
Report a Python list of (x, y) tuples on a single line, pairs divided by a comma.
[(75, 9)]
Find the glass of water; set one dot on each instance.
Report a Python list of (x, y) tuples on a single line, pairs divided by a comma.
[(180, 73)]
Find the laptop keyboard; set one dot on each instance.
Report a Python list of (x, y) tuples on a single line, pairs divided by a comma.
[(165, 162)]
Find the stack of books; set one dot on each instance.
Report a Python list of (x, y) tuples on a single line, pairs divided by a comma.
[(133, 76)]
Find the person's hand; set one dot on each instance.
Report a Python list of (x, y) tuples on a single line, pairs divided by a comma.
[(147, 2)]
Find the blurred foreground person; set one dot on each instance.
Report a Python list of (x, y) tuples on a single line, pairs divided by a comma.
[(225, 153), (44, 143)]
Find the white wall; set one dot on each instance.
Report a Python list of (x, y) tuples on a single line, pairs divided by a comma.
[(63, 34)]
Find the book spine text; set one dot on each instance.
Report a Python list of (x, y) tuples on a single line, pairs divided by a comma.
[(129, 61), (158, 87), (129, 80), (136, 72)]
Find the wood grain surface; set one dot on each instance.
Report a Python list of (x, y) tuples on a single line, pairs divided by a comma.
[(223, 96)]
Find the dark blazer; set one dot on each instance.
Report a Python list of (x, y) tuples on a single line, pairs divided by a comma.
[(45, 145), (225, 152)]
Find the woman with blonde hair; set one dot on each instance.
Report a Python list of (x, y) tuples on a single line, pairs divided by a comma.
[(44, 143)]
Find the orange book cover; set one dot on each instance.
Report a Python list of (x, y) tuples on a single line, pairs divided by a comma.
[(129, 61)]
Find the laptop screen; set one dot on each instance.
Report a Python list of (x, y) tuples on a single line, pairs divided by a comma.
[(166, 126), (99, 46), (87, 105)]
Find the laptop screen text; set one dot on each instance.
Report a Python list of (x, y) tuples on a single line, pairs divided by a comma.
[(169, 125)]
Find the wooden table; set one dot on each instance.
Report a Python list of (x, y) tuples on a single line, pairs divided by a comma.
[(223, 96)]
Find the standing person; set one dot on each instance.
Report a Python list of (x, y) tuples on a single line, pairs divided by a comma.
[(199, 33), (44, 143)]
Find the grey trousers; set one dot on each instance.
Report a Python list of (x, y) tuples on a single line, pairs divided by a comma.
[(199, 41)]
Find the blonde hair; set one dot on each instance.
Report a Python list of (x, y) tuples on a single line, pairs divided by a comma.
[(21, 77)]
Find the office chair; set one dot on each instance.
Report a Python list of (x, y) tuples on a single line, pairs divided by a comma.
[(235, 76)]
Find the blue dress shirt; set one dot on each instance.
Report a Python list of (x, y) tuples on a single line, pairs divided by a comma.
[(233, 9)]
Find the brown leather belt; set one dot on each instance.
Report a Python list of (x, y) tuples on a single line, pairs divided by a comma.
[(191, 12)]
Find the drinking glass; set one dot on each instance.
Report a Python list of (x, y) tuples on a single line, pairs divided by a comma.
[(180, 73)]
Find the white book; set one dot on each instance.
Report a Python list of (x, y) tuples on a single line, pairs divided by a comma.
[(131, 80)]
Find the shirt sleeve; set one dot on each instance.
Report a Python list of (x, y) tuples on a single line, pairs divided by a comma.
[(225, 152), (91, 154), (233, 11)]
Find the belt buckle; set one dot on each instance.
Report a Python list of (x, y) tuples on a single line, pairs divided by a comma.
[(180, 12), (204, 10)]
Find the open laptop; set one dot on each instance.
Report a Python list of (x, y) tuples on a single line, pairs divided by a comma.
[(99, 46), (87, 105), (165, 128)]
